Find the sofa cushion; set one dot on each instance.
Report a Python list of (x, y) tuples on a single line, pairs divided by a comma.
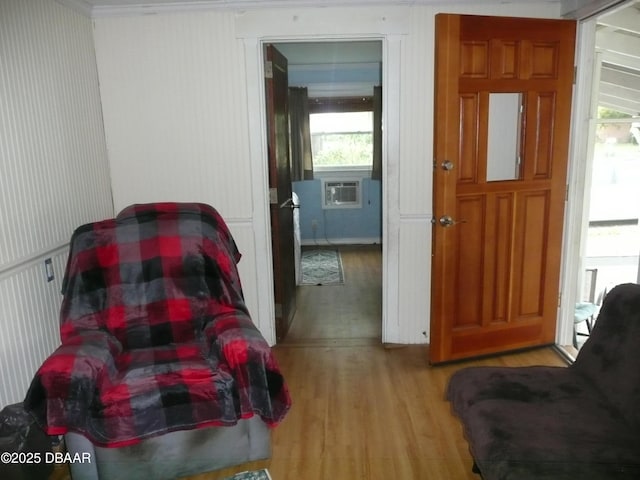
[(177, 380), (542, 423), (610, 358)]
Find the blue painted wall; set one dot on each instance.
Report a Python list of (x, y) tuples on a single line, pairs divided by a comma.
[(339, 225)]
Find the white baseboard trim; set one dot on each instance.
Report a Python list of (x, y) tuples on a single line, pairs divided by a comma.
[(342, 241)]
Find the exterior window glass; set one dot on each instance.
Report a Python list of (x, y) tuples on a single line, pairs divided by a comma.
[(342, 139)]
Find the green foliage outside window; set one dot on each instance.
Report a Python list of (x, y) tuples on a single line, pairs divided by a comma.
[(606, 113), (342, 149)]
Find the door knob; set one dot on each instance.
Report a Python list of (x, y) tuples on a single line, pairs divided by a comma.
[(447, 221), (447, 165)]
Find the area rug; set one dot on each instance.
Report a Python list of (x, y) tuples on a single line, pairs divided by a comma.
[(321, 267), (252, 475)]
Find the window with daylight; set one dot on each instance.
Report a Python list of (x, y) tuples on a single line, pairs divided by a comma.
[(342, 140)]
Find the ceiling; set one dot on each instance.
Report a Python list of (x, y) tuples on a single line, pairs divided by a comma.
[(618, 42)]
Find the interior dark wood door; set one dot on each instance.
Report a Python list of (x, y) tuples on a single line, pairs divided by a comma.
[(277, 89), (497, 239)]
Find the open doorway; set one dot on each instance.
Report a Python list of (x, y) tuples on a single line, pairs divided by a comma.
[(611, 229), (337, 190)]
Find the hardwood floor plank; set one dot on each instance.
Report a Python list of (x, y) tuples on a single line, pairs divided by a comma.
[(352, 310)]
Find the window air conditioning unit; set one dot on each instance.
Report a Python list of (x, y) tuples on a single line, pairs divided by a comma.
[(341, 194)]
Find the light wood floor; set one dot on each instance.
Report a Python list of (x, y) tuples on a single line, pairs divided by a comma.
[(350, 313), (362, 411)]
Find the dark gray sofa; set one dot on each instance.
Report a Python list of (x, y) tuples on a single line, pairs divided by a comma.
[(577, 422)]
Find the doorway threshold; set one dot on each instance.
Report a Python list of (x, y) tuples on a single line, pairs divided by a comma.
[(568, 352), (330, 342)]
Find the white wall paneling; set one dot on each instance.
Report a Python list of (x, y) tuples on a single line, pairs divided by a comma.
[(175, 111), (29, 307), (52, 154), (414, 291), (54, 174), (244, 236)]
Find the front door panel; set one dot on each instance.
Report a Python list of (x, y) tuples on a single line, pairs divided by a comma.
[(503, 102)]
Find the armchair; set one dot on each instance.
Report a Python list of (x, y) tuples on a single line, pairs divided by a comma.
[(161, 372)]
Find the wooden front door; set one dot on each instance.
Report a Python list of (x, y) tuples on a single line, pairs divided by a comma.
[(503, 90), (281, 203)]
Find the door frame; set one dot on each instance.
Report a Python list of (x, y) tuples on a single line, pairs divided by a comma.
[(580, 166), (255, 32), (578, 179)]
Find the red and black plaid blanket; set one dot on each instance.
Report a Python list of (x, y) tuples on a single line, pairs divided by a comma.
[(155, 333)]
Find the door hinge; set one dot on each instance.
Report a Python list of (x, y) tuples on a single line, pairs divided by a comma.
[(273, 196), (268, 69), (575, 74), (566, 193)]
